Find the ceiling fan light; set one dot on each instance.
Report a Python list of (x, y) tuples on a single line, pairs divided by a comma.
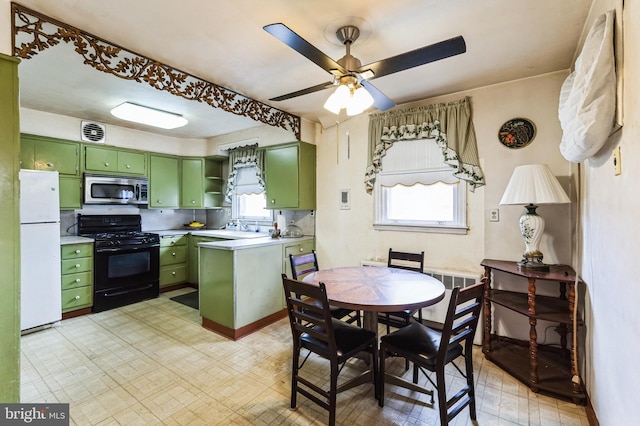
[(338, 99), (149, 116), (362, 98)]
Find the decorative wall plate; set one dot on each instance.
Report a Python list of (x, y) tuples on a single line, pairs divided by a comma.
[(517, 133)]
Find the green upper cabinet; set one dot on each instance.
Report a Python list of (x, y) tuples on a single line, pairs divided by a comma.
[(44, 153), (164, 181), (192, 183), (291, 176), (113, 160), (202, 182)]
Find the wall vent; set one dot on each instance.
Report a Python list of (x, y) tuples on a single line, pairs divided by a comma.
[(93, 132)]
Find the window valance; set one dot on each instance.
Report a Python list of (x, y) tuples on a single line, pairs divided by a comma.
[(448, 124), (244, 156)]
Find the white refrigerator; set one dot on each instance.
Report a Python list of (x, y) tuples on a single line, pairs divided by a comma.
[(40, 294)]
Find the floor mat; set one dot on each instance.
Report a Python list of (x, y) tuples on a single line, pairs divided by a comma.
[(189, 299)]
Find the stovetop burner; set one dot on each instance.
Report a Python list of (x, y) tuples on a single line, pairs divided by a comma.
[(116, 231)]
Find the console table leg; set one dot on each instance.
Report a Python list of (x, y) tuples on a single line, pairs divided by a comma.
[(533, 336), (486, 337)]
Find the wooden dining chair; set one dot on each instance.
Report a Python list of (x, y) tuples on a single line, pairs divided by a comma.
[(411, 262), (304, 264), (316, 330), (432, 350)]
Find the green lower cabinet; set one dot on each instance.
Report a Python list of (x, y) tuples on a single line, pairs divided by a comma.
[(240, 288), (77, 276), (173, 259), (192, 275)]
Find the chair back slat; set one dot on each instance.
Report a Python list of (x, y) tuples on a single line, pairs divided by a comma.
[(403, 260), (303, 264), (462, 317), (308, 309)]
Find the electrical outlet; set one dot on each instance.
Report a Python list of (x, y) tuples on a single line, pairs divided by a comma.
[(617, 162), (494, 215)]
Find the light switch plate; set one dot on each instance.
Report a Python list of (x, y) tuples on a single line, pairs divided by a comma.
[(617, 162)]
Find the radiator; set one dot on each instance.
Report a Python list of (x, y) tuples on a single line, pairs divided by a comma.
[(450, 279)]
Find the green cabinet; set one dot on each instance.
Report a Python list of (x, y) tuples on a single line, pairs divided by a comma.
[(44, 153), (10, 238), (77, 276), (202, 182), (70, 192), (173, 259), (291, 176), (193, 264), (51, 154), (164, 181), (110, 160), (192, 183)]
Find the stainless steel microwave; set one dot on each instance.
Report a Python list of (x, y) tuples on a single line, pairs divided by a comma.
[(100, 189)]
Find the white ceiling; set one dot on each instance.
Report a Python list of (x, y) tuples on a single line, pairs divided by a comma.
[(223, 42)]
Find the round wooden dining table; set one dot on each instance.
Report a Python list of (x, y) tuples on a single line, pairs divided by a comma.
[(376, 289)]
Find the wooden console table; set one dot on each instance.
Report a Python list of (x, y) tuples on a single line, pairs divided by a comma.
[(550, 370)]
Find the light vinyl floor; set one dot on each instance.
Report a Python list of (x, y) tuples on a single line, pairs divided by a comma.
[(152, 363)]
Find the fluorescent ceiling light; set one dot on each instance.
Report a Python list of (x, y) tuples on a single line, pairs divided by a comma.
[(150, 116)]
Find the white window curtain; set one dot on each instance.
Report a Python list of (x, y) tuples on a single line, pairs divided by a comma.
[(244, 156), (448, 124)]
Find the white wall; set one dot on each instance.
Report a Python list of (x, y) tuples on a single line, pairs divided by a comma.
[(608, 219), (344, 237)]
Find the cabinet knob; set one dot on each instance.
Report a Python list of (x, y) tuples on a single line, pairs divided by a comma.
[(159, 201), (77, 251), (301, 249), (49, 164), (273, 201), (173, 254), (77, 265), (173, 242), (106, 164), (193, 201), (128, 166), (77, 297), (173, 272), (77, 280)]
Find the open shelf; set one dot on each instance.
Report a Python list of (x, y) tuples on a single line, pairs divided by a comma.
[(547, 308)]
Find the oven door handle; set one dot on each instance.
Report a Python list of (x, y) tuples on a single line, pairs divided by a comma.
[(115, 249), (128, 290)]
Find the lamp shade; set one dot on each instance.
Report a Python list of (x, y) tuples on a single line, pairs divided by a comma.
[(534, 184)]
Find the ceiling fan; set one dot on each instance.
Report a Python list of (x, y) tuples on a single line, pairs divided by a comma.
[(348, 70)]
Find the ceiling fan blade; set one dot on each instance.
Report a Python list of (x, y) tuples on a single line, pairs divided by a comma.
[(306, 91), (380, 100), (424, 55), (306, 49)]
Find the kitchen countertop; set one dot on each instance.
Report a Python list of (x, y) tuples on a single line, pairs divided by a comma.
[(74, 239), (239, 244), (215, 233)]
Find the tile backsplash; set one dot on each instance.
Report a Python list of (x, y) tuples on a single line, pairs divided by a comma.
[(165, 219)]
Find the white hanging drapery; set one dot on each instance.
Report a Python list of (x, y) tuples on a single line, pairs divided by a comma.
[(244, 156)]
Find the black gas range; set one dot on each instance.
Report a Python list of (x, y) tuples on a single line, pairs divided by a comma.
[(126, 260)]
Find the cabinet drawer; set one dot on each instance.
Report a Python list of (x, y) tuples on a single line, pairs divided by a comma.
[(172, 255), (173, 275), (71, 266), (77, 298), (74, 251), (80, 279), (173, 240), (303, 247)]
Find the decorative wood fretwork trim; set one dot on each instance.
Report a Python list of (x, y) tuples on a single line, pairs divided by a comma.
[(44, 32)]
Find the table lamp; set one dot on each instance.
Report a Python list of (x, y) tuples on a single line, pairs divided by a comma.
[(531, 185)]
